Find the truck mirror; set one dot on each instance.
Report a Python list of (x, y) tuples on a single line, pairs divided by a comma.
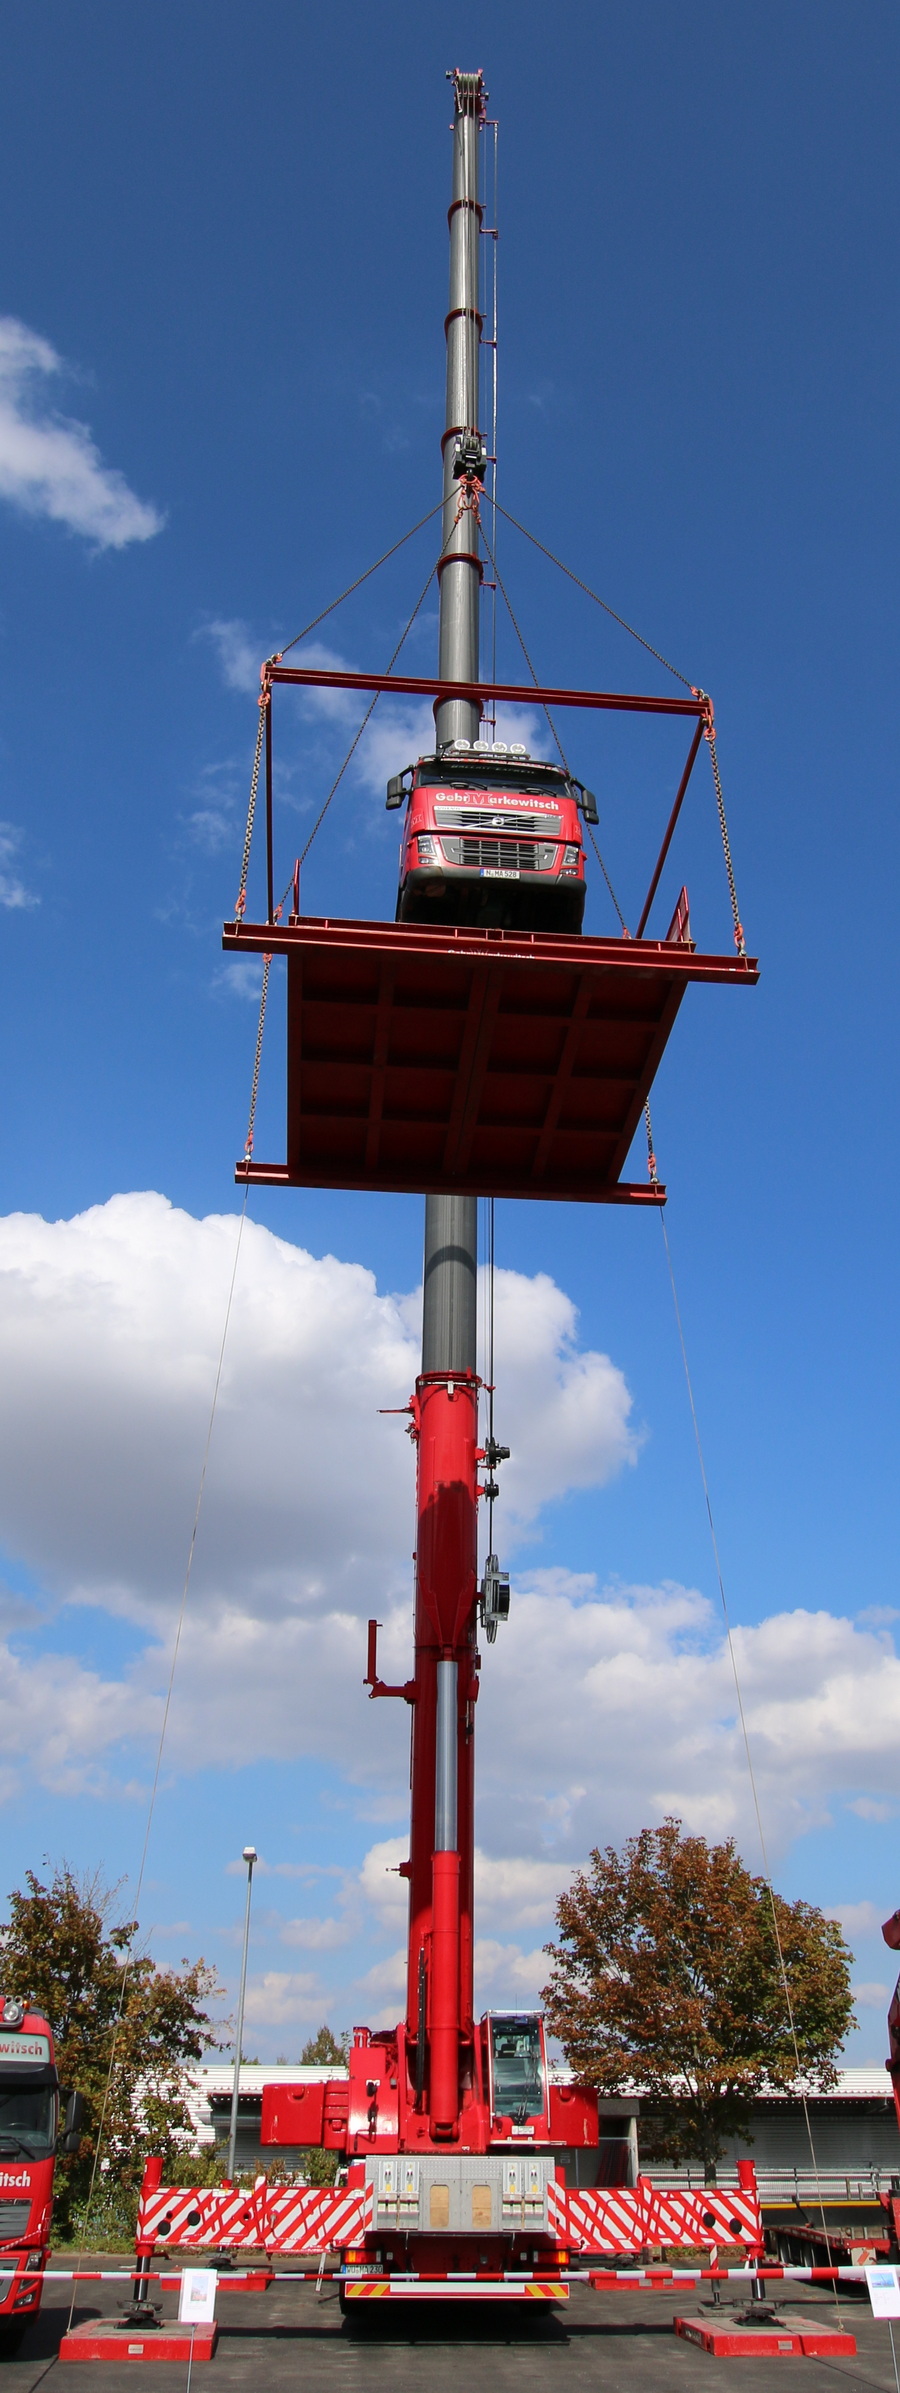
[(589, 806), (396, 791), (72, 2122)]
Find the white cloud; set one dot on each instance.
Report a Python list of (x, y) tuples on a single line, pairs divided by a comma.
[(317, 1935), (872, 1995), (866, 1807), (240, 976), (240, 656), (386, 1980), (601, 1707), (504, 1974), (49, 464), (13, 893), (283, 1998), (109, 1332), (855, 1919)]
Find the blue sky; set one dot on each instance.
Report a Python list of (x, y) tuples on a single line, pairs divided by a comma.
[(228, 266)]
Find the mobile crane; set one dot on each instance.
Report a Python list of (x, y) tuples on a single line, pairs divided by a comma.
[(479, 1043)]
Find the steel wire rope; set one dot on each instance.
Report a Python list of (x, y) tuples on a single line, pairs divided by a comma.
[(546, 710), (745, 1734), (126, 1971), (697, 692), (354, 744), (266, 698), (598, 601), (357, 585)]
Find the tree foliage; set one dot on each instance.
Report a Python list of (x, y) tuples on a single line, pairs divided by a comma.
[(124, 2030), (667, 1978), (325, 2050)]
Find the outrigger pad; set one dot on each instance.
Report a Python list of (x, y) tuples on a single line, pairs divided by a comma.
[(490, 1063)]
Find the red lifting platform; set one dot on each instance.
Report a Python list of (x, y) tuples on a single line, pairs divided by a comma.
[(472, 1062)]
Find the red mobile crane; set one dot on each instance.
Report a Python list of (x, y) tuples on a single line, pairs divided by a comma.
[(30, 2137), (476, 1045)]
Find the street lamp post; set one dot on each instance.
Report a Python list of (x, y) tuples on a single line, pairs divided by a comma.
[(249, 1855)]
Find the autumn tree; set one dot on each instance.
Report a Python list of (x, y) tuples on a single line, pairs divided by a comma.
[(322, 2051), (681, 1975), (125, 2031)]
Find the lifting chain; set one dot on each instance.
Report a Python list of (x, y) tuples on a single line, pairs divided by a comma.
[(254, 1085), (651, 1158), (709, 735), (264, 702)]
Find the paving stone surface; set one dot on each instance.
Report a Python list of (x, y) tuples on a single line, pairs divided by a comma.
[(291, 2341)]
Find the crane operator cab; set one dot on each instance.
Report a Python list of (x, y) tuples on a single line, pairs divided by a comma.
[(516, 2068), (492, 840)]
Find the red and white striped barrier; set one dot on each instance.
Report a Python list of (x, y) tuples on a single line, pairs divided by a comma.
[(276, 2218), (631, 2218)]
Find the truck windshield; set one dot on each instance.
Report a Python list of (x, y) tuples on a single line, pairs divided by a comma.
[(27, 2115), (486, 772), (517, 2068)]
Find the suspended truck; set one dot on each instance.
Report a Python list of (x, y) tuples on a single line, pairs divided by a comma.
[(478, 1045)]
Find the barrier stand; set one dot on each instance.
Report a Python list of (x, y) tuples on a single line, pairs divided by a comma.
[(765, 2332), (186, 2339)]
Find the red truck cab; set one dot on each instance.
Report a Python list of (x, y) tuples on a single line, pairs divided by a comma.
[(29, 2141), (492, 839)]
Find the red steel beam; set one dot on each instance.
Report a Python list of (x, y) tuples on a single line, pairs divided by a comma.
[(670, 826), (549, 947), (408, 685)]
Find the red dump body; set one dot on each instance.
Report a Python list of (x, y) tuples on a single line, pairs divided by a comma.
[(29, 2116), (491, 839)]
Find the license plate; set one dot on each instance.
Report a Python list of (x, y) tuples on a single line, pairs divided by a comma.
[(495, 872)]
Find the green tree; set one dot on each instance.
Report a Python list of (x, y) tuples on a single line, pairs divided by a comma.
[(125, 2031), (667, 1978), (323, 2051)]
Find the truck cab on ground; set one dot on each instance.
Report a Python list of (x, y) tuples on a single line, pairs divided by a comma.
[(29, 2140), (492, 840)]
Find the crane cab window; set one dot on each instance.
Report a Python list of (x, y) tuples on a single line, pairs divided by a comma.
[(517, 2065)]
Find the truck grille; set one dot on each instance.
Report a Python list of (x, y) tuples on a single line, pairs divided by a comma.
[(483, 818), (13, 2220), (501, 855)]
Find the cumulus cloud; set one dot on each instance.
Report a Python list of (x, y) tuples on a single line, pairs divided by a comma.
[(13, 893), (109, 1334), (601, 1707), (49, 464), (239, 655), (855, 1919), (285, 1998), (616, 1705)]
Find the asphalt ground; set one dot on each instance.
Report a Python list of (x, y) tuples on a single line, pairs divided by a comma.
[(291, 2338)]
